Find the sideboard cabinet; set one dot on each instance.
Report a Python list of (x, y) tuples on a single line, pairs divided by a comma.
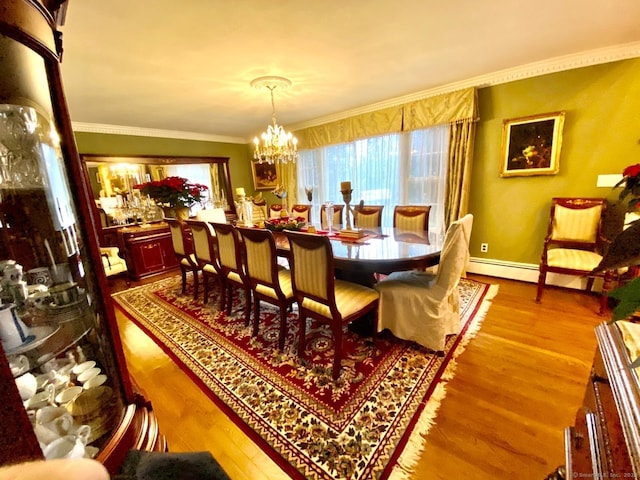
[(604, 442), (64, 385), (147, 249)]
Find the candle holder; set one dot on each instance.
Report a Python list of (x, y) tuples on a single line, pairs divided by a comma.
[(348, 231)]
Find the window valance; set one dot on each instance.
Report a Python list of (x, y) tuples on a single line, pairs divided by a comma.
[(437, 110)]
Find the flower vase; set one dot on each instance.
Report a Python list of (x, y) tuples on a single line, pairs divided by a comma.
[(180, 213)]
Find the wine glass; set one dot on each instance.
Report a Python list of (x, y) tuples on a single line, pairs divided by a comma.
[(328, 211)]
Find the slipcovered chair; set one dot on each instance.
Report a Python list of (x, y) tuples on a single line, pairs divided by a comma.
[(422, 307), (267, 280), (320, 295), (183, 250), (367, 216), (113, 263), (232, 269), (337, 216), (574, 242), (411, 217), (204, 249), (211, 215), (300, 210)]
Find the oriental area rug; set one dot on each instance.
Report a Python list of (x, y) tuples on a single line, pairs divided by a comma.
[(370, 423)]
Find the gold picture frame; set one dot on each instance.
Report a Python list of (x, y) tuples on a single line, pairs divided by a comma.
[(531, 145), (265, 175)]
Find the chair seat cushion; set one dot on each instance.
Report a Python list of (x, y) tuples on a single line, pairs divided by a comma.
[(350, 299), (284, 278), (188, 264), (573, 259)]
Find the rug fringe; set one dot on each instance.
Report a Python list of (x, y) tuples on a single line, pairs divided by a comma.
[(412, 452)]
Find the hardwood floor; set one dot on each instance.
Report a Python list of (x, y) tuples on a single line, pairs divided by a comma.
[(519, 382)]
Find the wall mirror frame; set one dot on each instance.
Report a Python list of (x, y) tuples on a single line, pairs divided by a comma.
[(142, 168)]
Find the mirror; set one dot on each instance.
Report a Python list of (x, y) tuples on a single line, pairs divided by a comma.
[(112, 179)]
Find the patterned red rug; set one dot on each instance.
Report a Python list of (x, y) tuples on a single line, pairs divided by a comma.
[(314, 428)]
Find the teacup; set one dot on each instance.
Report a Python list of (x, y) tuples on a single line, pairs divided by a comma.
[(67, 395), (42, 399), (12, 273), (13, 331), (64, 293), (69, 446), (27, 386), (39, 276), (55, 419), (19, 364)]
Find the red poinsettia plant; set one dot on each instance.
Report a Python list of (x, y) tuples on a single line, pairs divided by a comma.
[(173, 191), (631, 182)]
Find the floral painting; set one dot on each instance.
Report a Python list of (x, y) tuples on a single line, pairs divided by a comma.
[(531, 145)]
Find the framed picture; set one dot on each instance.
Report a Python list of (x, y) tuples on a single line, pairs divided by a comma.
[(531, 145), (265, 175)]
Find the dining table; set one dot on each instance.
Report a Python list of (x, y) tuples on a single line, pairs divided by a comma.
[(380, 250)]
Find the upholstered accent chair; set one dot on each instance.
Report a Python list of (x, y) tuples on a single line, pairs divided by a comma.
[(204, 247), (232, 269), (423, 307), (367, 216), (320, 295), (183, 250), (413, 218), (301, 210), (113, 263), (268, 282), (337, 216), (575, 242)]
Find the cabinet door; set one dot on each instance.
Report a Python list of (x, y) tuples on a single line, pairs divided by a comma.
[(151, 256)]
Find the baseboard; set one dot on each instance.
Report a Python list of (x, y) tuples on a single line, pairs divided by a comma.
[(526, 272)]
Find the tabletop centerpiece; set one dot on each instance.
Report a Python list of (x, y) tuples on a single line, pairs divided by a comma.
[(175, 195), (285, 223)]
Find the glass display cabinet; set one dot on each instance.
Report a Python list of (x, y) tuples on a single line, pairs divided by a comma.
[(64, 384)]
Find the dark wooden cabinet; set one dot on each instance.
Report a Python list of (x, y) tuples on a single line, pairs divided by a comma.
[(604, 441), (47, 225), (148, 250)]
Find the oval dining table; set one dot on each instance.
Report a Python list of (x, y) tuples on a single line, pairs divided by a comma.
[(381, 250)]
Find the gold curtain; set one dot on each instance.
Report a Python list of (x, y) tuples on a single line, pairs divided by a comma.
[(287, 175), (370, 124), (461, 140), (440, 109)]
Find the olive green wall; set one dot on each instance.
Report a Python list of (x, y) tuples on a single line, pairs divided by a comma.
[(601, 136), (107, 144)]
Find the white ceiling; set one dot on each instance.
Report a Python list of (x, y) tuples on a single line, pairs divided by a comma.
[(186, 65)]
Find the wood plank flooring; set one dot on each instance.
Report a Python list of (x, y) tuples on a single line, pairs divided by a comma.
[(519, 382)]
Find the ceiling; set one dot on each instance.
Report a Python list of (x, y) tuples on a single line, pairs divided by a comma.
[(186, 66)]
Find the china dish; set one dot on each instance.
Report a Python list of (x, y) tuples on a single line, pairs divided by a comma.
[(37, 336)]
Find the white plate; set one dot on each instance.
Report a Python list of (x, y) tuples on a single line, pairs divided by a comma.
[(37, 336)]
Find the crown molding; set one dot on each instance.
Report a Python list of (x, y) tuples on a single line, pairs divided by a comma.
[(152, 132), (535, 69)]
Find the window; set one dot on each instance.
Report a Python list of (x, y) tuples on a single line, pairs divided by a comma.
[(398, 169)]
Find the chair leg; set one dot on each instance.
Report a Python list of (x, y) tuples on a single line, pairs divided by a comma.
[(205, 288), (256, 316), (229, 294), (223, 292), (196, 283), (606, 288), (183, 272), (541, 281), (337, 351), (247, 307)]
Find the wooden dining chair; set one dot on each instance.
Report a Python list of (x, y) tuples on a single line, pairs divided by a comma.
[(232, 272), (205, 246), (337, 216), (301, 210), (183, 249), (268, 282), (320, 295), (259, 211), (411, 217), (275, 210), (367, 216)]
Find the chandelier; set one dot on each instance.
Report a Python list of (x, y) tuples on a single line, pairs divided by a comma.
[(277, 146)]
